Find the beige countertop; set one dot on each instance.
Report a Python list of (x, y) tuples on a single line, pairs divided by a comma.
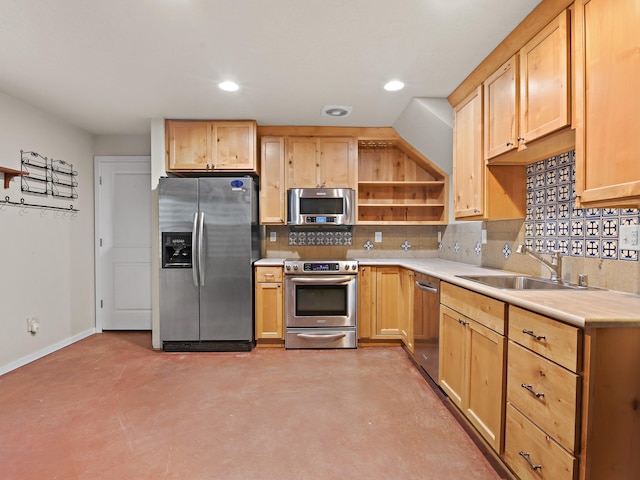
[(582, 308)]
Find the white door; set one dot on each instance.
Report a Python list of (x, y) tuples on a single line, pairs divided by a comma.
[(123, 243)]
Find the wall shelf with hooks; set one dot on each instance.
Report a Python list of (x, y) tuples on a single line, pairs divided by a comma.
[(9, 173)]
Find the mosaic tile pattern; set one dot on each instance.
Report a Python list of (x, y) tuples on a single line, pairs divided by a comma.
[(316, 238), (553, 222)]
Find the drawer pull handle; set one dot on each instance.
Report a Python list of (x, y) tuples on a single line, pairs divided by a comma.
[(533, 392), (462, 322), (531, 464), (537, 337)]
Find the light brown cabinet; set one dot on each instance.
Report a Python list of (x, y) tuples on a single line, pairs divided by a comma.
[(607, 103), (321, 162), (472, 355), (272, 186), (269, 304), (407, 308), (529, 97), (572, 405), (543, 396), (482, 192), (500, 115), (379, 303), (196, 146), (395, 187), (545, 81)]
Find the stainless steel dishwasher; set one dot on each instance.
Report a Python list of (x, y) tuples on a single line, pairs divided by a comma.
[(426, 323)]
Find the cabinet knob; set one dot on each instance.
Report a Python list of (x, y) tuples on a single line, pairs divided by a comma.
[(509, 144)]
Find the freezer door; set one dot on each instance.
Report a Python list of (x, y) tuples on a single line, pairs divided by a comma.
[(179, 312), (226, 291)]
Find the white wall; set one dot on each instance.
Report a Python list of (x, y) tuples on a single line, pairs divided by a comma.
[(46, 258), (122, 145)]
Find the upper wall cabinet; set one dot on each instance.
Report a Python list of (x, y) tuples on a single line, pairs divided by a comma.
[(272, 186), (210, 146), (482, 192), (529, 98), (545, 81), (500, 102), (607, 103), (397, 186), (321, 162)]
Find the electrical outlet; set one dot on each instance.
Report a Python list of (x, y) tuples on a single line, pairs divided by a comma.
[(32, 325), (377, 237), (484, 236), (629, 237), (272, 236)]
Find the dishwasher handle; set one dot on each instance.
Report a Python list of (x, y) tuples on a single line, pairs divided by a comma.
[(428, 287)]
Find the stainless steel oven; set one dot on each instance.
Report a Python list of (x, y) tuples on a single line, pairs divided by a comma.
[(321, 298)]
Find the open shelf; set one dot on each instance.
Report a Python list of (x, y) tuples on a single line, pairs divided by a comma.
[(9, 173), (399, 187)]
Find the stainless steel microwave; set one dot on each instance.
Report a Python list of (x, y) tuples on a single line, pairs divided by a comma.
[(321, 206)]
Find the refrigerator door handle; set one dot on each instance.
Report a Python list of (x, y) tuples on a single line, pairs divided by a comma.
[(194, 249), (201, 260)]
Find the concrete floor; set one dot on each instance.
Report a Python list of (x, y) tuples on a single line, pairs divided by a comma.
[(110, 407)]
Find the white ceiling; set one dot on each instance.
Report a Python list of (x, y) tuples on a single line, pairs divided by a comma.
[(108, 66)]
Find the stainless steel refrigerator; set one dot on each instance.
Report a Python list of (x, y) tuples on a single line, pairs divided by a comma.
[(210, 238)]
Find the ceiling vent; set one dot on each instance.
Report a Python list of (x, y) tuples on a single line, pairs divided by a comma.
[(336, 111)]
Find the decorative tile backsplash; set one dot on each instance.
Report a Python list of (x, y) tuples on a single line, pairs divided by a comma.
[(316, 238), (553, 222)]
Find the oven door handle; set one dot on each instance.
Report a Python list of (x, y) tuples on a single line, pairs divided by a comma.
[(333, 280), (321, 337)]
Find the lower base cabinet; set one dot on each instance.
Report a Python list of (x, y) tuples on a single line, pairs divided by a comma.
[(472, 359), (380, 303), (532, 454), (269, 304)]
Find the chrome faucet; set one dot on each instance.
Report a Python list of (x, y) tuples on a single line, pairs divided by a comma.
[(555, 264)]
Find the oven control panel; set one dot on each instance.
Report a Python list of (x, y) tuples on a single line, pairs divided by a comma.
[(320, 266)]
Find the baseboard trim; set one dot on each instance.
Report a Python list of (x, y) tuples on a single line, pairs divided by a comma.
[(45, 351)]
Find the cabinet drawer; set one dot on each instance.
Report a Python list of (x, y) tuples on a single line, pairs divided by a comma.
[(552, 339), (524, 441), (545, 392), (268, 274), (485, 310)]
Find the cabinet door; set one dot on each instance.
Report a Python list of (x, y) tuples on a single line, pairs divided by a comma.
[(607, 103), (484, 401), (272, 187), (388, 299), (338, 163), (303, 162), (407, 308), (188, 145), (453, 340), (468, 164), (500, 100), (234, 146), (544, 81), (269, 310), (366, 301)]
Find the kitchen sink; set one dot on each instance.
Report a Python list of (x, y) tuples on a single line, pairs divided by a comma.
[(519, 282)]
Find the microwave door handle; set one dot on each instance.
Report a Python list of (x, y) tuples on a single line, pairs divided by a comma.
[(202, 263), (194, 250), (323, 280)]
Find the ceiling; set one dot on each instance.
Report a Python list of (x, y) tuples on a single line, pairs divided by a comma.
[(109, 66)]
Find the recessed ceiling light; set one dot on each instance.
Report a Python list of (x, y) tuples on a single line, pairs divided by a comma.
[(394, 86), (336, 110), (228, 86)]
